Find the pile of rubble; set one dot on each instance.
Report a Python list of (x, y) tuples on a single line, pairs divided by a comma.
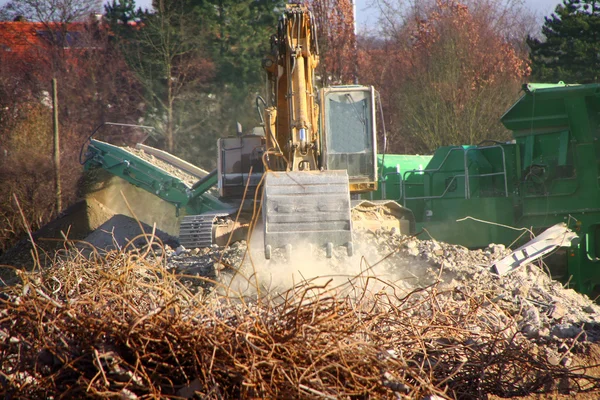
[(401, 318), (543, 307)]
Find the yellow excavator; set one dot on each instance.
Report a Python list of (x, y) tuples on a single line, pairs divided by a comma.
[(320, 146), (314, 152)]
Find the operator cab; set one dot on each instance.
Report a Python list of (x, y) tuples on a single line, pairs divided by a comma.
[(349, 134)]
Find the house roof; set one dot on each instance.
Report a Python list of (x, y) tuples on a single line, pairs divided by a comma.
[(22, 37), (29, 46)]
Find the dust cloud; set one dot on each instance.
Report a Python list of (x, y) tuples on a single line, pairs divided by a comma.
[(372, 267)]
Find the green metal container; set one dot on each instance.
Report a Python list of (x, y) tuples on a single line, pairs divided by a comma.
[(390, 168)]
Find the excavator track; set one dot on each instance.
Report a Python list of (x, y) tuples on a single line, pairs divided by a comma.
[(197, 230)]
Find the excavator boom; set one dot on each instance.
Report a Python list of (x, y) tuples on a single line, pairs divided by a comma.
[(302, 201)]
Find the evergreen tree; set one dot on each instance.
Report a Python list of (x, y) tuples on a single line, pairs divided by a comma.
[(239, 34), (571, 50), (121, 14)]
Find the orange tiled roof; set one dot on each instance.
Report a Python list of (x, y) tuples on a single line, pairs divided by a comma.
[(29, 46), (22, 37)]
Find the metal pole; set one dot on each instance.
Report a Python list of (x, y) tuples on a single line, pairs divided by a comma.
[(354, 44), (56, 146)]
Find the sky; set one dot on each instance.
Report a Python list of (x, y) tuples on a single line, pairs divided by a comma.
[(367, 17)]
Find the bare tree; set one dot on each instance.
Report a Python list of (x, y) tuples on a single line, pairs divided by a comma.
[(94, 85), (167, 58), (62, 11), (447, 70), (335, 26)]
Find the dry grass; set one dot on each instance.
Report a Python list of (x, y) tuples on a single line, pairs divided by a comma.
[(121, 325)]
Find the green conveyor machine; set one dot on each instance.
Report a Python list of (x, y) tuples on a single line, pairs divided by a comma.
[(390, 168), (549, 173), (192, 199)]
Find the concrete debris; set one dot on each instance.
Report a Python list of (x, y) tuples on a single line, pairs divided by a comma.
[(188, 178), (543, 308), (179, 250), (549, 315), (525, 308), (566, 331)]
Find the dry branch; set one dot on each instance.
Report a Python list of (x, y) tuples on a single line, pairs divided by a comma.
[(122, 325)]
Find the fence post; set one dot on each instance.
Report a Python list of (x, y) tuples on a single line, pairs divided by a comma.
[(56, 146)]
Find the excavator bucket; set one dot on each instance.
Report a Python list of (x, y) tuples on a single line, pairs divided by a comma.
[(310, 207)]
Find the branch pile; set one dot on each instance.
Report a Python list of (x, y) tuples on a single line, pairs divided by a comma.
[(122, 325)]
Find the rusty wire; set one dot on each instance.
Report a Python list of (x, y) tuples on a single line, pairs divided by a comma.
[(121, 325)]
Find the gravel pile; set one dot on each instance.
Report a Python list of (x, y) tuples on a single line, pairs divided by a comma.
[(186, 177), (543, 307)]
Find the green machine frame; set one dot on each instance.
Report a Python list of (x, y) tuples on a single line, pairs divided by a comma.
[(192, 200), (557, 130), (549, 173)]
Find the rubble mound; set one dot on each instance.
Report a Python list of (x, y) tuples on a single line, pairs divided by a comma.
[(543, 307), (75, 223), (120, 231), (403, 318)]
